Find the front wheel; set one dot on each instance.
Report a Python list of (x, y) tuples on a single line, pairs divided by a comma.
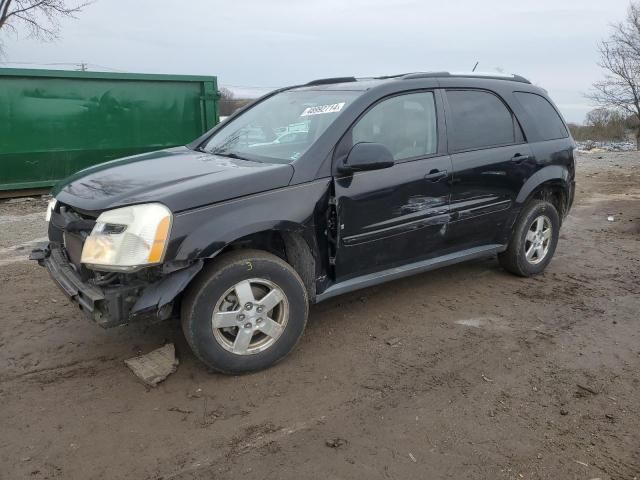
[(533, 240), (244, 312)]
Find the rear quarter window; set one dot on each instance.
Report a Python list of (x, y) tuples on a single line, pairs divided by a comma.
[(544, 116)]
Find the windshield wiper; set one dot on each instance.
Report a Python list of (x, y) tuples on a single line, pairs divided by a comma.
[(222, 153)]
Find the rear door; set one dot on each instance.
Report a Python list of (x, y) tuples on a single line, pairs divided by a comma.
[(397, 215), (491, 161)]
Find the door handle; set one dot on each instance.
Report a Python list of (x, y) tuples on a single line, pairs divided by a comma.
[(519, 158), (435, 175)]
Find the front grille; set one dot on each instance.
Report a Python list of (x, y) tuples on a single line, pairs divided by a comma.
[(73, 244), (69, 229)]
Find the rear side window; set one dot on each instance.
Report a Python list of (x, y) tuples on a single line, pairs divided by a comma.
[(479, 120), (546, 120), (405, 124)]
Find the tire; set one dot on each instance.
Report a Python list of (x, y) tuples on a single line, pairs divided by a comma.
[(220, 311), (524, 236)]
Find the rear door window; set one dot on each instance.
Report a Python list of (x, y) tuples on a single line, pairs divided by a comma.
[(405, 124), (479, 119), (545, 118)]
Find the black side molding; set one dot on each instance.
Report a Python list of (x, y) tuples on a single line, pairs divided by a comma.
[(407, 270)]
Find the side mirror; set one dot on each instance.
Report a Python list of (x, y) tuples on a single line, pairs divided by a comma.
[(367, 156)]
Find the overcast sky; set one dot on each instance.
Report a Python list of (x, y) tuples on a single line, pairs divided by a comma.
[(270, 43)]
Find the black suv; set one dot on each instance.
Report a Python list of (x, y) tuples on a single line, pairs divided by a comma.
[(310, 192)]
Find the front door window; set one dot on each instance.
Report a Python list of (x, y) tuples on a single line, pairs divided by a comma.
[(405, 124)]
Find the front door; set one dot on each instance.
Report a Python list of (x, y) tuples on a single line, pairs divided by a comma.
[(397, 215)]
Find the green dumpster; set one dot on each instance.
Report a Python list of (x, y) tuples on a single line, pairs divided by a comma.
[(54, 122)]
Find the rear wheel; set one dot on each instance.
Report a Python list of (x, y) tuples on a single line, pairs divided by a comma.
[(533, 241), (245, 312)]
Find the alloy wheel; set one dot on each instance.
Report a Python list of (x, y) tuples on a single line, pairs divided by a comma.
[(250, 316), (538, 239)]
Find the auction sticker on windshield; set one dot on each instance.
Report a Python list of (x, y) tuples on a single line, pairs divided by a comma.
[(320, 109)]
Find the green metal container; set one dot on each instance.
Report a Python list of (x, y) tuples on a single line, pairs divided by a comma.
[(54, 122)]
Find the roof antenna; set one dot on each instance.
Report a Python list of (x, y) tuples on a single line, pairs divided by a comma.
[(475, 66)]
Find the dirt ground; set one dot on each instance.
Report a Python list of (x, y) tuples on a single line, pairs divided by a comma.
[(465, 372)]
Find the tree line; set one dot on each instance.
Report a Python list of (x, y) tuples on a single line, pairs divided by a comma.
[(604, 124)]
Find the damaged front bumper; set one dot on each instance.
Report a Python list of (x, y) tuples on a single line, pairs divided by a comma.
[(119, 304)]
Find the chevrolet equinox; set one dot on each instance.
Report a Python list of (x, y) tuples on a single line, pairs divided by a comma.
[(310, 192)]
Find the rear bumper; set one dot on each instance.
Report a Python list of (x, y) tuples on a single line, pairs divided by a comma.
[(111, 306)]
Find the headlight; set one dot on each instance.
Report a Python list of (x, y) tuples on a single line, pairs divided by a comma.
[(50, 207), (127, 238)]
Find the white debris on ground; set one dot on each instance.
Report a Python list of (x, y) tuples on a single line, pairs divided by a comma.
[(155, 366), (591, 146)]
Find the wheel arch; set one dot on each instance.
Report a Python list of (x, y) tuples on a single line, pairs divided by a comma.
[(292, 242), (288, 244), (552, 184)]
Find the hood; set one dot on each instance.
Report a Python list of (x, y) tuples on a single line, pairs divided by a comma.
[(179, 177)]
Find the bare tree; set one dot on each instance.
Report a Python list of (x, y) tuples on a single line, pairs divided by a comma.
[(41, 18), (620, 58), (229, 103), (603, 117)]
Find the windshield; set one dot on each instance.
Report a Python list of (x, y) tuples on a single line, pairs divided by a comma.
[(281, 128)]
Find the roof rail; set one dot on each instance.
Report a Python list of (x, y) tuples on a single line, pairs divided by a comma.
[(327, 81), (387, 77), (412, 76), (488, 75)]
